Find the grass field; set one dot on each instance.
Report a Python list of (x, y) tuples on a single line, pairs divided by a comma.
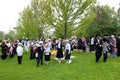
[(83, 67)]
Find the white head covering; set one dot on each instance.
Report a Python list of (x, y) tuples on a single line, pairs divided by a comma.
[(20, 44), (41, 42), (112, 36)]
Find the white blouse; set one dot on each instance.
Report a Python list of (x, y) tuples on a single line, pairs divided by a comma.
[(19, 50)]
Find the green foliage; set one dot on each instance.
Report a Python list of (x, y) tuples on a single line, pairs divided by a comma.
[(2, 34), (105, 22), (32, 20), (83, 67), (64, 15), (11, 35), (68, 15), (118, 19)]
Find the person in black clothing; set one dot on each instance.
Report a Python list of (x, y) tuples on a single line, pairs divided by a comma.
[(32, 51), (98, 47), (118, 45), (79, 45), (40, 50), (59, 51), (4, 49)]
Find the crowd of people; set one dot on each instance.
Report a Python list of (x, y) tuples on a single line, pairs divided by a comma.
[(64, 47)]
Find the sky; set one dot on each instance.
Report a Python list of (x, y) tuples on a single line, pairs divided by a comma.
[(9, 13), (10, 9)]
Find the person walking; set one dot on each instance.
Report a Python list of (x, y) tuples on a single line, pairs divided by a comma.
[(105, 49), (98, 47)]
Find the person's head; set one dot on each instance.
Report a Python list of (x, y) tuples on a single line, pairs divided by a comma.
[(98, 36), (3, 43), (118, 35), (41, 42), (67, 41), (46, 45), (112, 36), (20, 44)]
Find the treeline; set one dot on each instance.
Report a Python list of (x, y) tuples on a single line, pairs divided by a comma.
[(64, 18)]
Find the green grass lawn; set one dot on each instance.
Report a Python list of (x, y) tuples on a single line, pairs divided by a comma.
[(83, 67)]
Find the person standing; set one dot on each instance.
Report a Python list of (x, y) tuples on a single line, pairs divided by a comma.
[(118, 45), (31, 51), (4, 49), (27, 45), (47, 54), (113, 46), (40, 50), (105, 49), (59, 51), (98, 47), (68, 52), (19, 52), (84, 44), (11, 51), (91, 44)]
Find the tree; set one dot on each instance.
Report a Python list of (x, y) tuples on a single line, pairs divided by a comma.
[(68, 14), (64, 15), (105, 22), (31, 23), (2, 34), (119, 18)]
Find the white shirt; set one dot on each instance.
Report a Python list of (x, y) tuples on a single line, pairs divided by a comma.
[(19, 50), (68, 47), (92, 41), (47, 51), (50, 44), (59, 45)]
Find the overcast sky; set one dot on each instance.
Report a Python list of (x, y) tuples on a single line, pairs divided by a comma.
[(10, 9)]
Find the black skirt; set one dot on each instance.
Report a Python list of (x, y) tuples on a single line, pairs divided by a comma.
[(67, 56), (59, 53), (47, 57)]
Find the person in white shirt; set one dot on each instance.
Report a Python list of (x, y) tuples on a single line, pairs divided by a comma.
[(27, 45), (47, 53), (68, 51), (19, 52)]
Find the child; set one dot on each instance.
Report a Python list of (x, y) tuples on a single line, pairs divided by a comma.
[(68, 52), (105, 49), (47, 53)]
